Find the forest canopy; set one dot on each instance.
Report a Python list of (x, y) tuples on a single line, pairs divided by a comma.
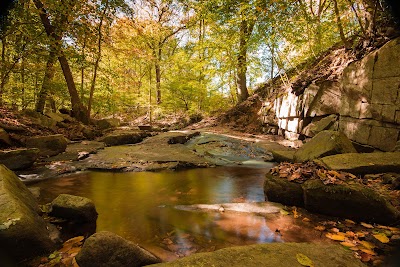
[(102, 57)]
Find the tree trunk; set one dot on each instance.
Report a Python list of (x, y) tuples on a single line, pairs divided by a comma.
[(97, 62), (242, 62), (158, 76), (78, 110), (340, 26), (48, 77)]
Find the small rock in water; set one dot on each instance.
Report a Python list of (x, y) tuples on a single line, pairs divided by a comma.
[(221, 209)]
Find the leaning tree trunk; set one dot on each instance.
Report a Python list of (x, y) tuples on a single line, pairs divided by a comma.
[(78, 110)]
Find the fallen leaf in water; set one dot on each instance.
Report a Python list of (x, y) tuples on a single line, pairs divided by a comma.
[(304, 260), (367, 244), (335, 237), (283, 212), (381, 237), (295, 213), (367, 225), (347, 244)]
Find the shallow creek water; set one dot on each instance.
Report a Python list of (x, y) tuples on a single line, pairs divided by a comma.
[(142, 207)]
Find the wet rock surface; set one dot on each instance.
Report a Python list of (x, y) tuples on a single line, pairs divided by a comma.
[(110, 250), (273, 255), (74, 208)]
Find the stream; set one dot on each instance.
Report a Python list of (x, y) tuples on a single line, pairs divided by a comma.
[(144, 207)]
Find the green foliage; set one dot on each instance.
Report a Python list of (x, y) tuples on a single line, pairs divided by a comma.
[(195, 45)]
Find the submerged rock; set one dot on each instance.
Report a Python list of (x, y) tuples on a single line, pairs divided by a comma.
[(271, 255), (19, 159), (324, 144), (364, 163), (254, 207), (110, 250), (50, 145), (73, 208), (23, 233)]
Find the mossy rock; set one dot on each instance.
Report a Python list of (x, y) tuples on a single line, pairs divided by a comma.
[(281, 190), (73, 208), (352, 200), (325, 143), (283, 155), (50, 145), (110, 250), (270, 255), (23, 233)]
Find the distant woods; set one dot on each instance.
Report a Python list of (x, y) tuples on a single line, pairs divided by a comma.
[(166, 56)]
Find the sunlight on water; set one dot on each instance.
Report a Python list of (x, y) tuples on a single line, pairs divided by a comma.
[(141, 207)]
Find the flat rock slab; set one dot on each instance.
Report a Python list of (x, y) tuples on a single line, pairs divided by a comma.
[(50, 145), (153, 154), (365, 163), (78, 151), (254, 207), (271, 255), (324, 144)]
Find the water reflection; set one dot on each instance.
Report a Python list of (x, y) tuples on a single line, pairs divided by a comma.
[(140, 207)]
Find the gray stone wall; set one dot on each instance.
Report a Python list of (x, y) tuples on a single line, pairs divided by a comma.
[(366, 97)]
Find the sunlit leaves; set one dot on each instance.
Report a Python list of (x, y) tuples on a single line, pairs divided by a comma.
[(304, 260)]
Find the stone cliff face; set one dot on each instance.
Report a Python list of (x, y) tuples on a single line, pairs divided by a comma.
[(365, 97)]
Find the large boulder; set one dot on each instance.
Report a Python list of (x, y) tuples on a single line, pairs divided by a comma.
[(110, 250), (350, 200), (50, 145), (277, 189), (270, 255), (116, 139), (19, 159), (23, 233), (363, 163), (74, 208), (324, 144)]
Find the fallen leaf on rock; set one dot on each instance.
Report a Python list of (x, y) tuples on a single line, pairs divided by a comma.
[(365, 257), (335, 237), (283, 212), (367, 244), (304, 260), (361, 234), (381, 237), (334, 230), (368, 251), (347, 244), (320, 228), (305, 219), (350, 234), (367, 225), (347, 221)]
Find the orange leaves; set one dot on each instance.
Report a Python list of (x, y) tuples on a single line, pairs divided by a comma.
[(301, 172)]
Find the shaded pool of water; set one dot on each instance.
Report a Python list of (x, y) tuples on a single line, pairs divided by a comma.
[(140, 207)]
